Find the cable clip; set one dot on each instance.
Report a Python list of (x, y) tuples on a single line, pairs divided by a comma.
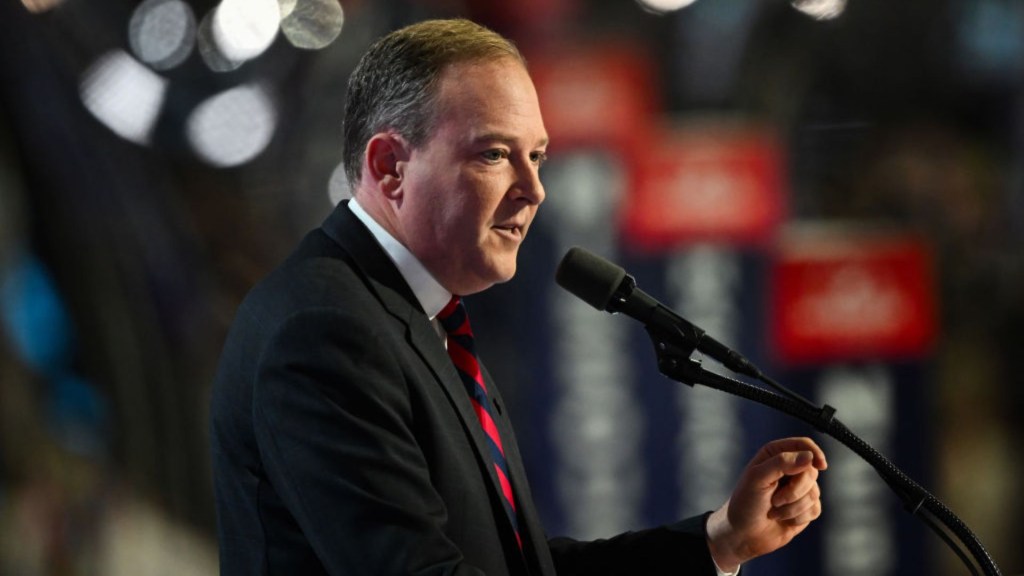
[(827, 415)]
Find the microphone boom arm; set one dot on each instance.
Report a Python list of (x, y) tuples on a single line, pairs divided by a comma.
[(674, 352)]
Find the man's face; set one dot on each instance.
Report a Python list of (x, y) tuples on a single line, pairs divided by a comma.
[(471, 191)]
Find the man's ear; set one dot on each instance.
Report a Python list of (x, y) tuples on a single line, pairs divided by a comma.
[(386, 154)]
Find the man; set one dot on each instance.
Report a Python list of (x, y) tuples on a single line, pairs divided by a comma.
[(344, 437)]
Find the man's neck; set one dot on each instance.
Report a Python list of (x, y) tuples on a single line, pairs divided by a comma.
[(432, 296)]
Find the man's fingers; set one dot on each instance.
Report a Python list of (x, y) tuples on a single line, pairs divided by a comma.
[(805, 508), (797, 460), (783, 467), (805, 517), (799, 444), (794, 487)]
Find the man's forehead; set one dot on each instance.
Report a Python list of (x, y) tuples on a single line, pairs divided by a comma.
[(454, 80), (490, 100)]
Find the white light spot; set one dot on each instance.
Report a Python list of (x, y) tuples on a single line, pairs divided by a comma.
[(337, 187), (40, 6), (232, 127), (821, 9), (243, 29), (162, 32), (311, 24), (124, 95), (212, 55), (664, 6)]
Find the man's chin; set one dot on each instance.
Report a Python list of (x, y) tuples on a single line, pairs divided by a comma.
[(506, 271), (497, 273)]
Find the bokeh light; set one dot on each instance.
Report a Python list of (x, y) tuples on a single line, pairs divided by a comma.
[(162, 33), (40, 6), (311, 24), (124, 95), (232, 127), (821, 9), (664, 6), (212, 55), (244, 29)]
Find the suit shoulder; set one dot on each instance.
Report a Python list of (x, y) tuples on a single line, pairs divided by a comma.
[(317, 275), (317, 284)]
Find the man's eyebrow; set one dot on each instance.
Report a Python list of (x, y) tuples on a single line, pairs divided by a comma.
[(505, 138)]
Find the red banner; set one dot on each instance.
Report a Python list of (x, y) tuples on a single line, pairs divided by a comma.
[(706, 183), (603, 96), (843, 297)]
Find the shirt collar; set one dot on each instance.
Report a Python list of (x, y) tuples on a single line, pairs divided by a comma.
[(431, 295)]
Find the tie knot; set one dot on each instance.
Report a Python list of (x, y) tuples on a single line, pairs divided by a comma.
[(453, 317)]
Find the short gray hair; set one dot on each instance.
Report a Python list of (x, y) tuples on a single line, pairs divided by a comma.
[(394, 85)]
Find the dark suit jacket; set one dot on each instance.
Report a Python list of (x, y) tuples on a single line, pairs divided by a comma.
[(343, 441)]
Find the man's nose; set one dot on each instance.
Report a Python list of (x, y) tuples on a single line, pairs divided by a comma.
[(529, 185)]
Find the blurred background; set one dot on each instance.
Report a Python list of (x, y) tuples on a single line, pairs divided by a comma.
[(834, 187)]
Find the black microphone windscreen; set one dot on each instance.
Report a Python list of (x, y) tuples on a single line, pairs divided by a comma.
[(590, 277)]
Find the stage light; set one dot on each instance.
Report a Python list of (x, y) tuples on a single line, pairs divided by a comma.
[(124, 95), (232, 127), (162, 33), (311, 24)]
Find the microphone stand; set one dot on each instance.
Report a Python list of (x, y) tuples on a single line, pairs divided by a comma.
[(673, 351)]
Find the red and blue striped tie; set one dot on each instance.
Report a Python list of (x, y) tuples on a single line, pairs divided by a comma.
[(463, 353)]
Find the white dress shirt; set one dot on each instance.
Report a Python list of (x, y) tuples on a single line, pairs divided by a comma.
[(431, 295)]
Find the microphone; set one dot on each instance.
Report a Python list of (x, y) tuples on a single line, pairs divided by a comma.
[(606, 286)]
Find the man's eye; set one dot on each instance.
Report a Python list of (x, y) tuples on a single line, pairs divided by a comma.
[(494, 155), (538, 158)]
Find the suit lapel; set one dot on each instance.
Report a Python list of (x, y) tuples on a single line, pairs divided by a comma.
[(394, 293)]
